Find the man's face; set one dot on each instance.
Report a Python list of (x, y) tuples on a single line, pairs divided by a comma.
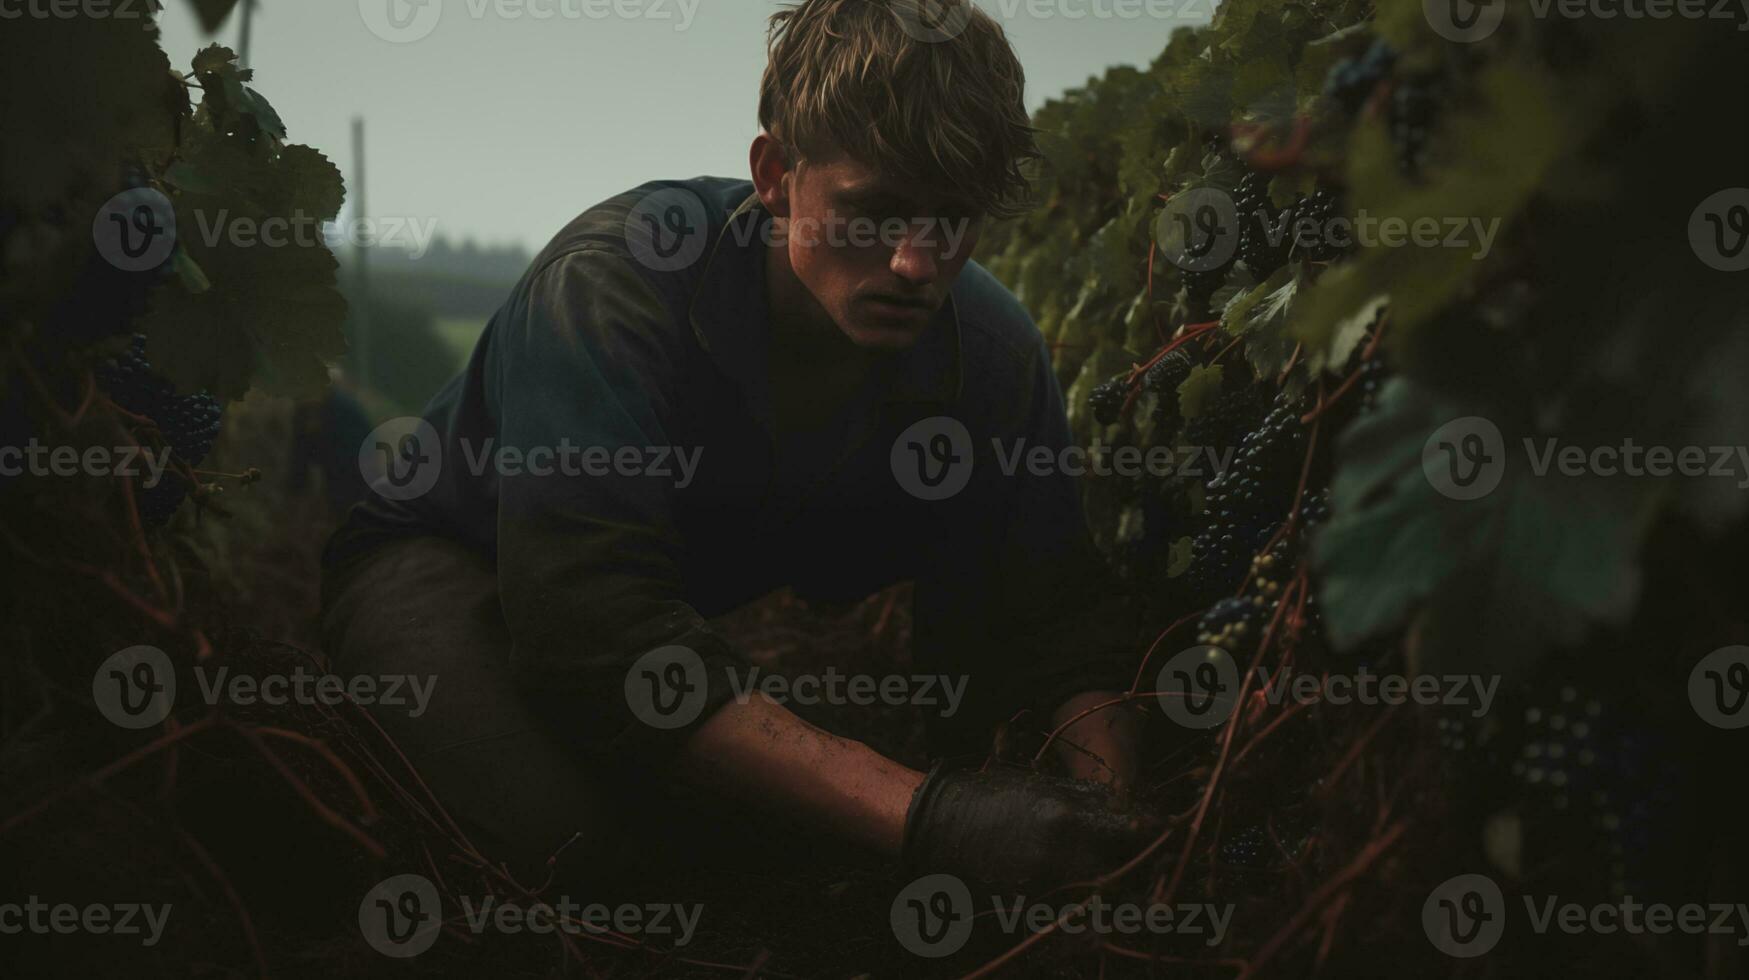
[(878, 256)]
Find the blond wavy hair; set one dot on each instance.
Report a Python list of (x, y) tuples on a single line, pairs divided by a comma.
[(943, 107)]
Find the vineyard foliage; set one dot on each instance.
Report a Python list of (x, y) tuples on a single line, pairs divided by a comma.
[(224, 316), (1583, 146)]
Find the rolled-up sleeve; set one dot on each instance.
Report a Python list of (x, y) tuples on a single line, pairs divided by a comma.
[(584, 367)]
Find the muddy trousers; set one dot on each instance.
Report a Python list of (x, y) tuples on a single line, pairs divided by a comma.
[(428, 607)]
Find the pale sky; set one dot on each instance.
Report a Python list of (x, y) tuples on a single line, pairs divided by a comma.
[(501, 125)]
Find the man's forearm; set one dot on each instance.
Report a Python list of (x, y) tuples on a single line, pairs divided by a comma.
[(761, 754)]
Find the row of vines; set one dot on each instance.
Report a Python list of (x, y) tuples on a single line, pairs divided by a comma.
[(1210, 263)]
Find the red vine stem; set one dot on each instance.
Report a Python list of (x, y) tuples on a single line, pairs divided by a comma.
[(323, 812), (1226, 749), (1353, 378), (97, 776), (321, 748), (1317, 899)]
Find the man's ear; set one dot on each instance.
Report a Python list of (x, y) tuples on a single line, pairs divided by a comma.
[(771, 174)]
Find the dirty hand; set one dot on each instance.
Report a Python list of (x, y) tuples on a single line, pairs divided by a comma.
[(1016, 827)]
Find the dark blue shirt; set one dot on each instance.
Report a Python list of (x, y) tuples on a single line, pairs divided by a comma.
[(624, 343)]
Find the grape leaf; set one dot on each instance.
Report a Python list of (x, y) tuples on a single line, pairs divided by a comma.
[(107, 74), (1531, 565), (1200, 388)]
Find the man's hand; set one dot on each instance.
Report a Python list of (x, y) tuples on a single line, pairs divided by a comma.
[(1018, 827), (1101, 745)]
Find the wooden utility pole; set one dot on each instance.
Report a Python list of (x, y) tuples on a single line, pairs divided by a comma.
[(243, 42), (361, 260)]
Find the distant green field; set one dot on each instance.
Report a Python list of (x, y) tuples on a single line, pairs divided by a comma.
[(459, 334)]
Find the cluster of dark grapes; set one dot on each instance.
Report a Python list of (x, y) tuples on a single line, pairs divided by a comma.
[(1263, 237), (1570, 758), (1373, 373), (1225, 420), (1353, 80), (1247, 503), (1313, 226), (1314, 509), (1249, 847), (1256, 847), (189, 424), (1108, 398), (1414, 112), (1200, 287), (104, 300), (1234, 623), (1163, 380)]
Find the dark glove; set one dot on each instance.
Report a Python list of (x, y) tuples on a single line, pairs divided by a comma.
[(1011, 826)]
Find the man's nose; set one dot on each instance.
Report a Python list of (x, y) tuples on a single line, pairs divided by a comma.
[(915, 261)]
